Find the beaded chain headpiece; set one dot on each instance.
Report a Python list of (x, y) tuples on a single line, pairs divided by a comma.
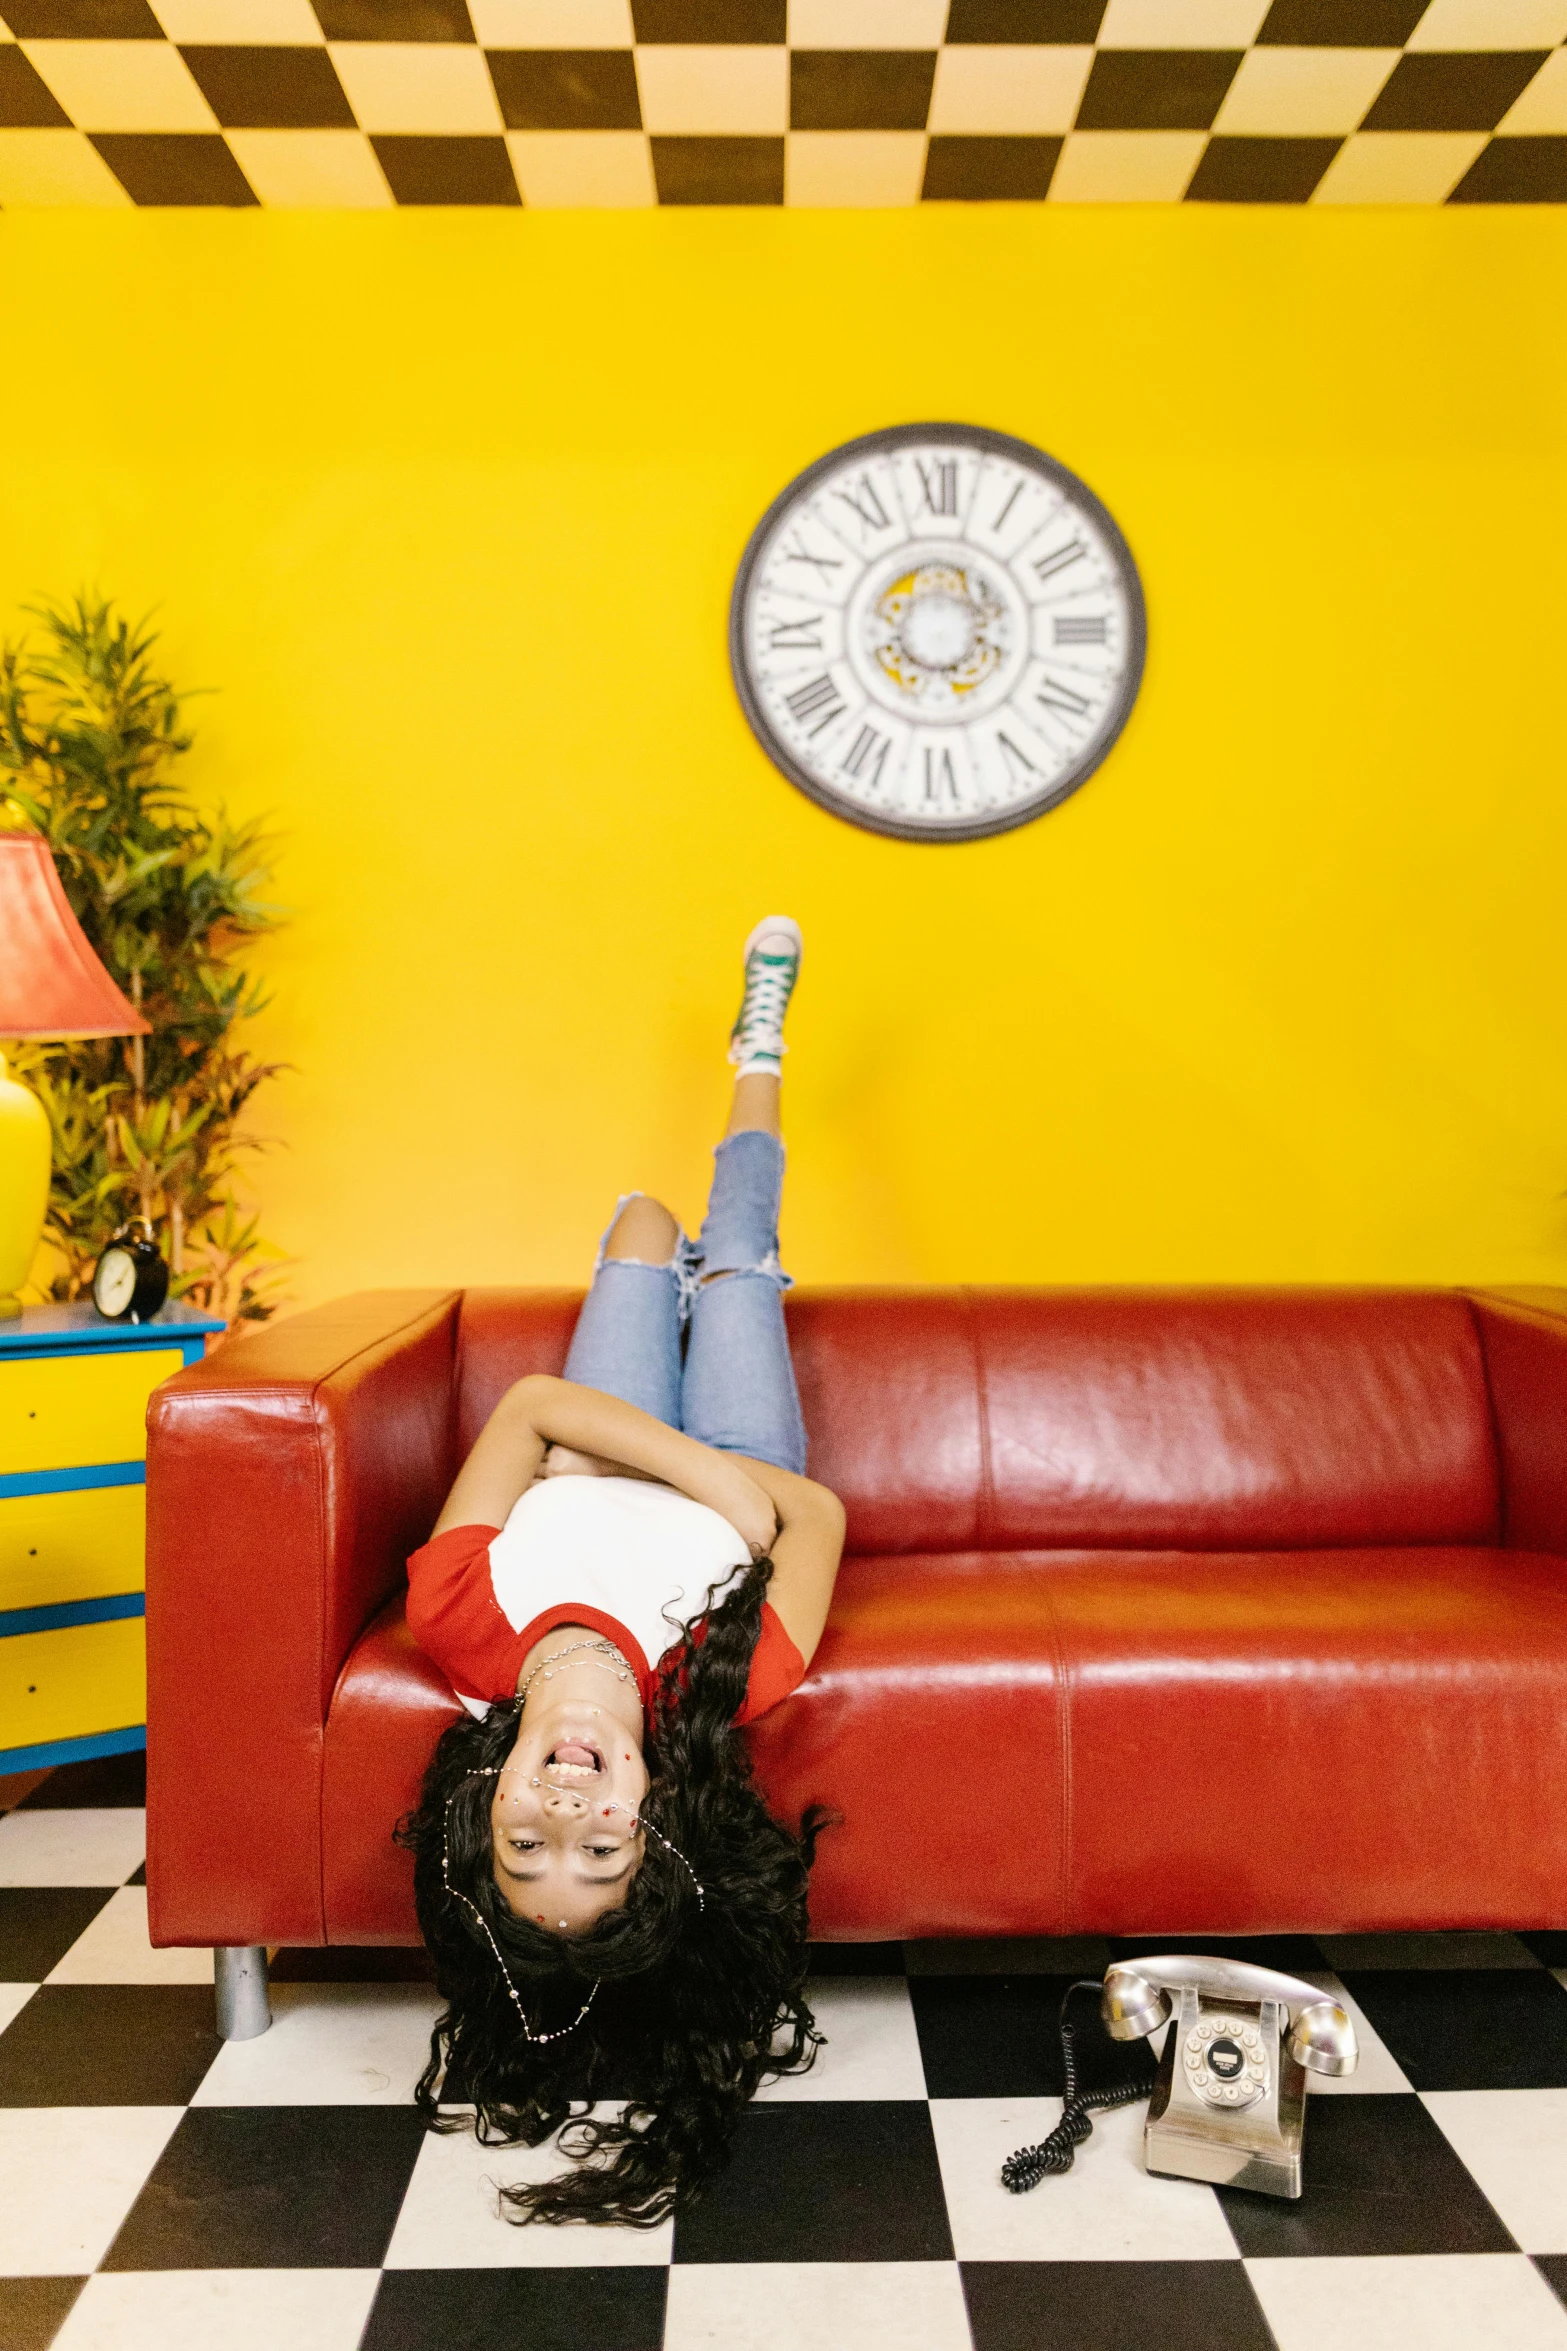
[(457, 1895), (495, 1772), (701, 1897)]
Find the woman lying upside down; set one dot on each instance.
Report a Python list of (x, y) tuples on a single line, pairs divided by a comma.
[(630, 1566)]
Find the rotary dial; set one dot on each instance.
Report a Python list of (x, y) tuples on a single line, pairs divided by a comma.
[(1226, 2062)]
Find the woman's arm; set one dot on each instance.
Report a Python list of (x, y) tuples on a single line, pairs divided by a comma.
[(806, 1550), (539, 1411)]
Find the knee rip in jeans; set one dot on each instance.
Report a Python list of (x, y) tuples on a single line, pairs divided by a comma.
[(768, 1270), (673, 1263), (678, 1266)]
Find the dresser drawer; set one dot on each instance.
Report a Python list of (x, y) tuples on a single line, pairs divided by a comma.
[(79, 1679), (69, 1411), (74, 1546)]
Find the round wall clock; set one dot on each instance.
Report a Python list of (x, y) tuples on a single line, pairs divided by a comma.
[(937, 632)]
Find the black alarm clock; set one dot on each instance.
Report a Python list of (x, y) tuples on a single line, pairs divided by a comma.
[(131, 1281)]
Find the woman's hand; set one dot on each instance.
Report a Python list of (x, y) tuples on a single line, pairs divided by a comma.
[(564, 1461), (749, 1511)]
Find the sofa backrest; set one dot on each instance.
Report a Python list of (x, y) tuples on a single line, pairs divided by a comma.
[(953, 1420)]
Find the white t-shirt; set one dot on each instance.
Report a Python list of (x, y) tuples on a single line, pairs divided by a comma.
[(643, 1554)]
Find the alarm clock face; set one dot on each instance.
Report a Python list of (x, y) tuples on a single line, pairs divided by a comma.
[(937, 632), (114, 1283)]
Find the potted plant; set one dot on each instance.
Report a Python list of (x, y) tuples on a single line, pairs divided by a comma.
[(90, 742)]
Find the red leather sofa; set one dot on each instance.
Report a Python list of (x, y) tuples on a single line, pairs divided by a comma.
[(1162, 1612)]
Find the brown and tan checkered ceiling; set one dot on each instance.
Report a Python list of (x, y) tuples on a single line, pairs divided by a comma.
[(353, 103)]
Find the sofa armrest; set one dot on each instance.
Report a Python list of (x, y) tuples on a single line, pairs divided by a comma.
[(288, 1478), (1523, 1336)]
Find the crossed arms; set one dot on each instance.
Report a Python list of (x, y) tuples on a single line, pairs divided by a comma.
[(798, 1521)]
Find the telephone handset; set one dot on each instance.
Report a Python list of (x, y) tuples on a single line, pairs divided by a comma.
[(1229, 2103)]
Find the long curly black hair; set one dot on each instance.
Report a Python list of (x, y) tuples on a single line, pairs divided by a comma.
[(697, 2005)]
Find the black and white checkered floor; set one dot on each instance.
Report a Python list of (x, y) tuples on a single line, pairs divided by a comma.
[(160, 2189)]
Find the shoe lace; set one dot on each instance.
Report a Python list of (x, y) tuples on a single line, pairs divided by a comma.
[(769, 981)]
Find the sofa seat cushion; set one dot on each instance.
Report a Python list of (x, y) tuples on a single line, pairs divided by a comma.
[(1028, 1742), (390, 1706), (1374, 1738)]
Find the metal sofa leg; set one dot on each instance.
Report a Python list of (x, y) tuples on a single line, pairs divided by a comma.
[(240, 1979)]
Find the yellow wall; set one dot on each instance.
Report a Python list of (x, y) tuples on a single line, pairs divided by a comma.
[(448, 505)]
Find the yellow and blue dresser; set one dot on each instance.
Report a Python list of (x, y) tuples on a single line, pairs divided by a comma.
[(73, 1491)]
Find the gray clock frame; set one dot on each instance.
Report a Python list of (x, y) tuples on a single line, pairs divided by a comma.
[(901, 436)]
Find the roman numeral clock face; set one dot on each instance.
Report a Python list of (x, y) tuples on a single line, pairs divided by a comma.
[(937, 632)]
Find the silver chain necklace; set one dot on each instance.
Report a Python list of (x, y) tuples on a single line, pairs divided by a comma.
[(606, 1649)]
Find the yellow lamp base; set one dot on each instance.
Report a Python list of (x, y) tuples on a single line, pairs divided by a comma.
[(24, 1186)]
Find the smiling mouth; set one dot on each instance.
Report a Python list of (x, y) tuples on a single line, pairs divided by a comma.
[(574, 1759)]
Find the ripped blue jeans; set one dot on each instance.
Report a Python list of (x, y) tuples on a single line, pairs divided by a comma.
[(731, 1384)]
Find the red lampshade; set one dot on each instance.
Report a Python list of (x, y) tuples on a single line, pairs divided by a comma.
[(51, 982)]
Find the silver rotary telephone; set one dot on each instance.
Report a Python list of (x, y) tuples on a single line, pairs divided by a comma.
[(1228, 2102)]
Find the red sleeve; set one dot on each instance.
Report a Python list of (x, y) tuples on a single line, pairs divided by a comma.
[(776, 1667), (455, 1618)]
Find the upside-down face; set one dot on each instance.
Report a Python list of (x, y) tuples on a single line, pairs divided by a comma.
[(564, 1818)]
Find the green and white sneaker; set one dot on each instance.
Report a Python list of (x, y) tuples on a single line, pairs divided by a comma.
[(772, 965)]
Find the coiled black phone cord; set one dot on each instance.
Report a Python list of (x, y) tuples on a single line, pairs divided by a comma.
[(1029, 2165)]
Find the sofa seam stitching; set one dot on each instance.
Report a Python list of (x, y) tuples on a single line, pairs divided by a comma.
[(281, 1385), (318, 1427), (1499, 1303), (984, 1534), (458, 1373), (1498, 1453), (318, 1424), (986, 1512), (1064, 1681), (398, 1331)]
